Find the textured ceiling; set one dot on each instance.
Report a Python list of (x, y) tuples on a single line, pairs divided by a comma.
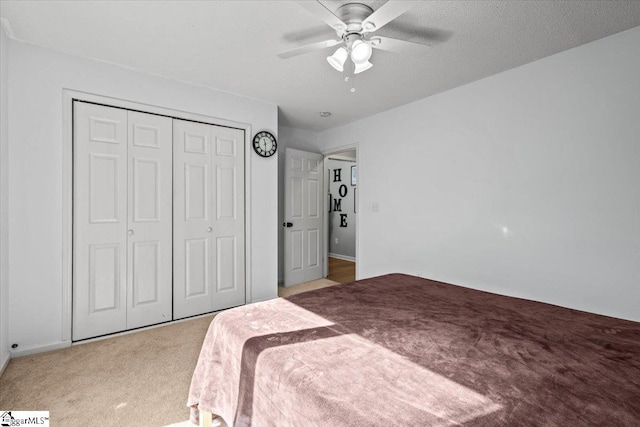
[(232, 45)]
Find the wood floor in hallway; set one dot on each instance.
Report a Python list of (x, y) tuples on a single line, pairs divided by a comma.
[(341, 271)]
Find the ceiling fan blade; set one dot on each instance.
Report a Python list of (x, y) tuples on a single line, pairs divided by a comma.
[(323, 13), (386, 13), (398, 46), (308, 48)]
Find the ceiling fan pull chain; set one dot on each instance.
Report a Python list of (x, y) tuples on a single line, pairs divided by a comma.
[(352, 80)]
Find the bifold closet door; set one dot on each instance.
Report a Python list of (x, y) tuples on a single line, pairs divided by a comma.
[(121, 220), (149, 240), (208, 227), (99, 220)]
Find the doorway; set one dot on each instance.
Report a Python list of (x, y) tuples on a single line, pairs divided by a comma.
[(342, 198)]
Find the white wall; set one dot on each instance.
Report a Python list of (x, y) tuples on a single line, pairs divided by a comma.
[(4, 193), (38, 77), (526, 183)]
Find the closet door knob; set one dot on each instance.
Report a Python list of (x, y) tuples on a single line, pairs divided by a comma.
[(210, 229), (130, 232)]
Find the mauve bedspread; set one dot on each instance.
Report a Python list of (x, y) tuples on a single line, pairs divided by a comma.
[(398, 350)]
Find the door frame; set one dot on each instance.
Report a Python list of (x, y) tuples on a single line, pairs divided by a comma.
[(326, 154), (68, 96)]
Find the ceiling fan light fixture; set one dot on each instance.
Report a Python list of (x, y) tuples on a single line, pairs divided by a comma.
[(338, 58), (360, 52), (362, 67)]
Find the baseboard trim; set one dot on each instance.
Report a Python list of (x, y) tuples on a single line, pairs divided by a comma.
[(342, 257), (4, 364), (63, 344), (142, 328), (40, 349)]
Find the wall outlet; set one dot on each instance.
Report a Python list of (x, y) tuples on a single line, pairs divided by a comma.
[(336, 240), (375, 207)]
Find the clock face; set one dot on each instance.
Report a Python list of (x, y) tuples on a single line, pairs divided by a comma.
[(264, 144)]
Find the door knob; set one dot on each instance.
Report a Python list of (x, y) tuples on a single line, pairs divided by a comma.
[(209, 229), (287, 224), (130, 232)]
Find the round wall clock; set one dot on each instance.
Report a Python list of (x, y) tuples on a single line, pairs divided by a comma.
[(264, 144)]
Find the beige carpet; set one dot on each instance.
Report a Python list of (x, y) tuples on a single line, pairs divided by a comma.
[(138, 379)]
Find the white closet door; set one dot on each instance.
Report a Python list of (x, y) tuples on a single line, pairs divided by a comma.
[(149, 219), (208, 230), (192, 226), (99, 220), (228, 217)]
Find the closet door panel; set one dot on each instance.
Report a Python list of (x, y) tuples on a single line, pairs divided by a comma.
[(228, 218), (99, 220), (104, 272), (192, 221), (149, 237), (196, 274)]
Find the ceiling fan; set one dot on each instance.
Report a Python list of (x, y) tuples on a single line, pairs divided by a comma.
[(355, 25)]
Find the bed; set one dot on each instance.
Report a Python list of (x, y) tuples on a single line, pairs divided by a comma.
[(399, 350)]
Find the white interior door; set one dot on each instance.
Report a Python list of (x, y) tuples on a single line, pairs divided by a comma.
[(122, 220), (228, 217), (99, 220), (192, 225), (149, 247), (303, 217), (208, 231), (124, 274)]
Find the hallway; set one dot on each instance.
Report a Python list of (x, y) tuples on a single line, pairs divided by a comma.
[(341, 271)]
